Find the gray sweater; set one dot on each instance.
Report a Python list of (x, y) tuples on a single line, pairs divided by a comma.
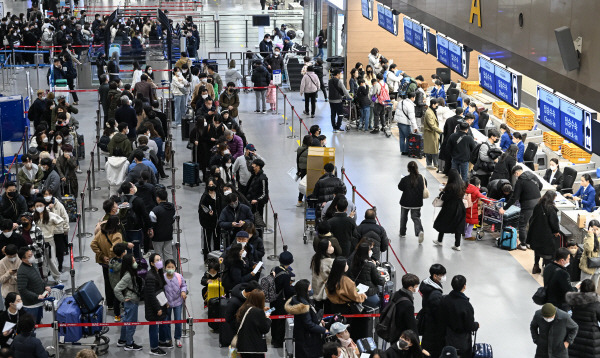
[(126, 289), (30, 284)]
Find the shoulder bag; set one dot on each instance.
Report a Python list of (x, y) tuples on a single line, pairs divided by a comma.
[(593, 262), (438, 202), (425, 190), (235, 338)]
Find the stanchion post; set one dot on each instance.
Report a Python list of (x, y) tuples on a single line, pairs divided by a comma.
[(274, 257), (99, 167), (284, 109), (292, 123), (353, 194), (90, 208), (343, 176), (80, 235), (276, 99), (55, 339), (16, 160), (71, 270), (300, 127), (191, 340), (94, 187)]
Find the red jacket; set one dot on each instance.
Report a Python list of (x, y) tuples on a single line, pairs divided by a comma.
[(472, 212)]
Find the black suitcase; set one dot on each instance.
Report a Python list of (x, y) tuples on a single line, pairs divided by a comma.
[(191, 174), (70, 204), (186, 126), (81, 147), (415, 146), (225, 335), (216, 309)]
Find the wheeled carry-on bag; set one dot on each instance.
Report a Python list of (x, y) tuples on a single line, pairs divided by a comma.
[(69, 312), (88, 297), (288, 342), (481, 350), (94, 317), (415, 146), (191, 170)]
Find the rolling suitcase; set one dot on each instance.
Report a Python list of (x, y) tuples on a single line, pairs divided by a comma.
[(511, 216), (288, 341), (70, 204), (391, 271), (508, 239), (93, 317), (366, 345), (186, 126), (88, 297), (481, 350), (216, 309), (80, 147), (415, 146), (387, 292), (191, 174), (69, 312)]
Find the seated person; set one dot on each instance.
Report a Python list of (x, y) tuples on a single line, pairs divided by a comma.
[(553, 175), (586, 193)]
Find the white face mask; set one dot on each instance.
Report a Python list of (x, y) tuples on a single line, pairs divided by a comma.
[(243, 244), (443, 279), (204, 96), (12, 259), (567, 264), (244, 253), (226, 151), (149, 72), (19, 306), (7, 233), (59, 141), (48, 198), (45, 140), (32, 260), (127, 131), (370, 253), (227, 192), (549, 319), (39, 209)]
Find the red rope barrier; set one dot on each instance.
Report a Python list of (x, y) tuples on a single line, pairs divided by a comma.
[(294, 109)]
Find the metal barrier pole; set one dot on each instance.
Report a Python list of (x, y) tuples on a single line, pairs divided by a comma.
[(353, 194), (55, 339), (173, 186), (90, 208), (277, 99), (37, 64), (99, 167), (183, 260), (300, 127), (191, 324), (343, 176), (292, 124), (71, 270), (274, 257), (184, 331), (93, 187), (284, 108), (80, 235), (82, 217), (16, 159)]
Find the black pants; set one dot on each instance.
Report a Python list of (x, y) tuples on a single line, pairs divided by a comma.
[(212, 241), (337, 113), (537, 260), (312, 98), (108, 291), (456, 238), (60, 240), (524, 217), (278, 325), (379, 113), (485, 179), (71, 83), (323, 90)]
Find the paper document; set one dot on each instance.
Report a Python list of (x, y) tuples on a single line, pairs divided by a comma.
[(362, 288), (257, 267), (162, 299), (8, 326)]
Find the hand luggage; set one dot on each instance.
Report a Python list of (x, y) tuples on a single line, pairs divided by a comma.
[(288, 343), (481, 350), (415, 146), (226, 334), (80, 147), (186, 126), (366, 345), (93, 317), (69, 312), (214, 290), (191, 174), (88, 297), (70, 204), (387, 292), (391, 271), (142, 269), (511, 216), (216, 309), (508, 239)]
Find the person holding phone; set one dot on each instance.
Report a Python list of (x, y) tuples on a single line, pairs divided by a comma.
[(12, 314), (8, 270)]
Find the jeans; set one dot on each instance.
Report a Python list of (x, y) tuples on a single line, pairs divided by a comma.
[(321, 53), (130, 315), (158, 333), (404, 132), (179, 108), (365, 114), (379, 111), (164, 249), (135, 237), (456, 238), (432, 159), (462, 168), (337, 113), (261, 97), (177, 316), (372, 301), (312, 97), (415, 216), (36, 312)]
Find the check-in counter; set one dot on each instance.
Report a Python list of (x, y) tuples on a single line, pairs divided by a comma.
[(568, 219)]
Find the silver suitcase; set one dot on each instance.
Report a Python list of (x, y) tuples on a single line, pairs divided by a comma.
[(288, 345)]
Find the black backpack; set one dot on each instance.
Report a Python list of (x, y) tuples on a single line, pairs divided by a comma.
[(386, 328), (475, 154), (128, 217)]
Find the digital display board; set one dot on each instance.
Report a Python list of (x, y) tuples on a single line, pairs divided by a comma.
[(452, 54), (565, 116), (432, 43), (501, 81), (367, 9), (416, 34), (387, 19)]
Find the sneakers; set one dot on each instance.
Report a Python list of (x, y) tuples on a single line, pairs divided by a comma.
[(257, 111), (135, 347), (375, 131), (431, 167), (178, 343), (299, 204), (456, 248), (335, 131), (305, 113), (121, 343), (312, 116), (168, 344), (421, 237), (157, 352), (536, 269), (117, 318), (523, 247), (402, 236), (437, 243), (264, 112)]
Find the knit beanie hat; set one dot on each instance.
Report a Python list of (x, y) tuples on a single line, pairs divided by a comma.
[(548, 310), (286, 257)]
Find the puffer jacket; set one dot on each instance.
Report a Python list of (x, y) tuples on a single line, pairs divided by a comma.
[(310, 83), (114, 271), (126, 288), (473, 212), (370, 228), (368, 275), (325, 187), (59, 209), (302, 158), (49, 227), (227, 99), (586, 313), (103, 244), (308, 331), (152, 287)]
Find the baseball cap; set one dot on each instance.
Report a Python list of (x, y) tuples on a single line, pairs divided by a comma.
[(338, 327), (251, 147)]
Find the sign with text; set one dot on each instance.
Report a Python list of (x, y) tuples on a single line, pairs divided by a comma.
[(501, 81), (387, 19), (415, 34), (452, 54), (548, 108), (367, 9)]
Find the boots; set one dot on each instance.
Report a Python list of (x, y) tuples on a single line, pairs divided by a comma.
[(536, 269)]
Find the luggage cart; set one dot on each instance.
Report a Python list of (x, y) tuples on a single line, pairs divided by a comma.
[(311, 211), (492, 221), (389, 115), (350, 113)]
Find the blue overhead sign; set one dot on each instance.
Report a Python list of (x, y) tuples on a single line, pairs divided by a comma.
[(453, 55), (571, 118), (415, 34), (501, 81), (442, 50), (387, 19), (367, 9), (548, 111), (487, 75)]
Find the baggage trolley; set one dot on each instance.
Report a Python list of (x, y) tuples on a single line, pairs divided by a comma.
[(388, 115), (350, 113), (492, 221), (310, 219), (99, 345)]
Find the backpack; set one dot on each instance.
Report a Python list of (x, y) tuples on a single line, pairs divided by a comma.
[(386, 328), (404, 84), (474, 158), (129, 219), (267, 284), (384, 94)]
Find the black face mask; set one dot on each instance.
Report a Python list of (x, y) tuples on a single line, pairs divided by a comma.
[(212, 188), (11, 194), (402, 344)]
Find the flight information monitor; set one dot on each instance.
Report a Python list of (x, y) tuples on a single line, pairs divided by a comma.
[(452, 54), (501, 81), (367, 9), (387, 19), (416, 34)]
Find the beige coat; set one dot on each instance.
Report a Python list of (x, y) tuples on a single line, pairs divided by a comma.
[(431, 132), (588, 251), (103, 246), (346, 293), (7, 278), (318, 281)]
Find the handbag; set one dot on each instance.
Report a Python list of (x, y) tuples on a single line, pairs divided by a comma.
[(425, 190), (540, 296), (234, 341), (467, 201), (438, 202), (593, 262)]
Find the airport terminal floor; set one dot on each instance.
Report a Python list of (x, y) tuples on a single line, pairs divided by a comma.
[(499, 282)]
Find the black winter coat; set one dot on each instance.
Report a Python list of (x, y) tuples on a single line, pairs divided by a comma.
[(258, 188), (165, 218), (586, 313), (308, 331), (154, 284), (527, 188), (405, 314), (433, 331), (412, 196), (344, 229), (557, 282), (451, 219), (261, 77), (207, 221), (458, 317), (236, 272), (370, 228), (12, 208), (251, 336), (543, 225), (503, 169), (28, 346), (368, 275), (229, 215), (325, 187)]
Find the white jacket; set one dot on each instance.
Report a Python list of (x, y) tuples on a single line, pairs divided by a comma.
[(59, 209), (405, 113), (116, 170), (393, 81), (49, 227), (374, 62), (177, 86), (310, 83)]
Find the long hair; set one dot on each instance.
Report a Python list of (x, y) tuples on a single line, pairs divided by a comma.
[(161, 273), (112, 225), (315, 262), (507, 129), (413, 171), (127, 266), (361, 255), (301, 288), (44, 216), (415, 349), (233, 254), (255, 299), (455, 186), (595, 223), (547, 200), (510, 152), (338, 270)]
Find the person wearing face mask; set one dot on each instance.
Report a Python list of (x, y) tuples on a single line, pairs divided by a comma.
[(30, 285), (258, 187), (488, 157), (284, 276), (237, 268), (135, 217), (404, 318), (216, 78), (348, 348), (61, 232), (234, 215), (180, 89), (8, 271), (553, 174), (591, 252), (176, 292), (227, 169), (208, 212), (320, 267), (544, 230), (363, 271), (51, 177), (9, 236), (458, 317), (266, 46), (128, 291), (429, 318), (29, 172), (119, 144), (66, 166), (13, 313), (308, 328), (12, 204), (553, 331), (408, 346), (48, 222), (197, 96), (154, 310), (275, 61), (162, 217)]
